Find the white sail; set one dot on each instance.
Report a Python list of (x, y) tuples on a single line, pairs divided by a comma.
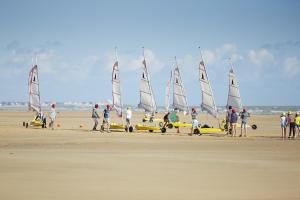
[(147, 101), (34, 91), (168, 92), (179, 96), (116, 89), (208, 102), (234, 98)]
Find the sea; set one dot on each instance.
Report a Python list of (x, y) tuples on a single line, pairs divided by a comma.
[(87, 106)]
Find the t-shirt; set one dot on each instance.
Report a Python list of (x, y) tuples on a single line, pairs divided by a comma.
[(94, 113), (52, 114), (297, 120), (194, 115), (128, 114), (233, 118), (244, 116), (106, 113)]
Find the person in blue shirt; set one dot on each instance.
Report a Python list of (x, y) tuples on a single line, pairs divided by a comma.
[(233, 122), (106, 119)]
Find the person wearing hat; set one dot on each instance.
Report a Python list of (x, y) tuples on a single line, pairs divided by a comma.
[(283, 124), (128, 118), (106, 119), (95, 116), (233, 122), (297, 121), (291, 124), (244, 115), (195, 122), (52, 116)]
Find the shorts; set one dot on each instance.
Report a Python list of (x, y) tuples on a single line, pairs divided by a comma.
[(243, 125), (233, 125), (106, 120), (195, 123)]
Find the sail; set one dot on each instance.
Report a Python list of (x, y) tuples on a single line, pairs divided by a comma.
[(147, 101), (208, 102), (116, 89), (179, 96), (34, 91), (168, 91), (234, 98)]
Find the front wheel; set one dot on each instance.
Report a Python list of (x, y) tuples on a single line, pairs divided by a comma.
[(150, 131), (197, 131), (163, 130), (130, 129), (170, 126)]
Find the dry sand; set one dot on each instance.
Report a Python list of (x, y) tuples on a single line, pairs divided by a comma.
[(75, 163)]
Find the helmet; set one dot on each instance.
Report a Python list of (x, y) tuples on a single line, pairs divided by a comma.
[(128, 108), (290, 112), (283, 113), (108, 106), (96, 105)]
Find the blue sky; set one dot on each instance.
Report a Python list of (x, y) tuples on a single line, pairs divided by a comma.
[(75, 43)]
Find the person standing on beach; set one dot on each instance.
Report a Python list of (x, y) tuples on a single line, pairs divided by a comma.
[(194, 115), (291, 124), (283, 124), (128, 118), (244, 115), (233, 122), (297, 121), (95, 116), (166, 119), (228, 116), (106, 119), (52, 116)]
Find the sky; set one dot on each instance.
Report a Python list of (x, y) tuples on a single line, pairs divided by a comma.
[(75, 40)]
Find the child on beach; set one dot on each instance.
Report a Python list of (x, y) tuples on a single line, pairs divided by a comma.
[(297, 121), (128, 118), (52, 116), (194, 115), (233, 122), (106, 119), (283, 124), (244, 115), (291, 124), (95, 117)]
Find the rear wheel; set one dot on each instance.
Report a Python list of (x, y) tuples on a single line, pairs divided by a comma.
[(197, 131), (170, 126), (130, 129), (150, 131), (26, 125), (163, 130), (254, 126)]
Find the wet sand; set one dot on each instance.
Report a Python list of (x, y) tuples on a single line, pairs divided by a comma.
[(76, 163)]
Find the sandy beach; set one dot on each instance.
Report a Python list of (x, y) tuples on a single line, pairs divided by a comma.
[(75, 163)]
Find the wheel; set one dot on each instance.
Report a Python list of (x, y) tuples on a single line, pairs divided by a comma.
[(26, 125), (163, 130), (130, 129), (254, 126), (102, 128), (150, 131), (197, 131), (160, 124), (170, 126), (144, 120)]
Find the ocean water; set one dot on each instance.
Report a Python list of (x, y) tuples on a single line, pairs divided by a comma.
[(87, 106)]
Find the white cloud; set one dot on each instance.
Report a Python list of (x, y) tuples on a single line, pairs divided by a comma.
[(260, 57), (291, 66)]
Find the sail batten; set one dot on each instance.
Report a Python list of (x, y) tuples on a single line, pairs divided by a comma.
[(208, 102), (179, 96), (234, 97), (33, 90), (116, 89), (147, 101)]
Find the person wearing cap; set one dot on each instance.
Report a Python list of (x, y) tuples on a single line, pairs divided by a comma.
[(291, 124), (106, 119), (128, 118), (244, 115), (228, 116), (297, 121), (52, 116), (95, 116), (283, 124), (194, 116), (233, 122)]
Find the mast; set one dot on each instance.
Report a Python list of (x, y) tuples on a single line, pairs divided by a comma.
[(208, 102), (116, 86), (234, 98), (147, 101), (168, 91), (34, 102), (179, 95)]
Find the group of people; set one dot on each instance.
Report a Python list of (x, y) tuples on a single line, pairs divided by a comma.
[(232, 120), (291, 121), (106, 121), (42, 118)]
